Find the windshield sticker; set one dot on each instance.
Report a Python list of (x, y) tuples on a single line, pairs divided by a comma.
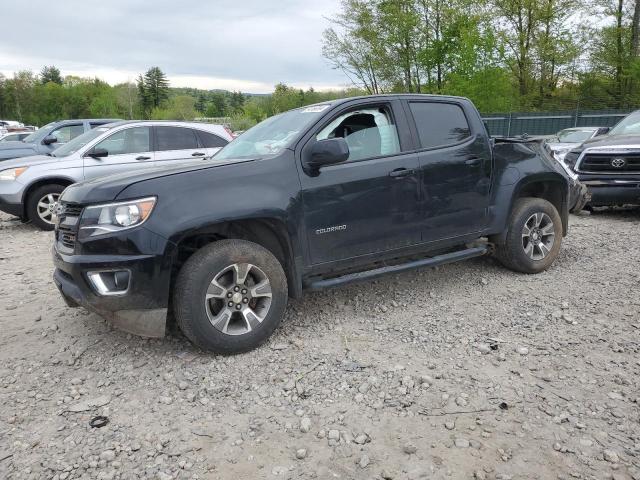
[(315, 109)]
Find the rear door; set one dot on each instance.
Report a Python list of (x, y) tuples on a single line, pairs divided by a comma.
[(128, 149), (175, 145), (370, 203), (455, 163)]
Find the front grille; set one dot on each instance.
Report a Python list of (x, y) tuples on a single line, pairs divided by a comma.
[(67, 228), (68, 239), (71, 209), (611, 163)]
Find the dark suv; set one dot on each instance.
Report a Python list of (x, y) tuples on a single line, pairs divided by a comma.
[(313, 198)]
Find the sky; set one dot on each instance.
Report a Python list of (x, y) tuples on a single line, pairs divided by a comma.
[(246, 45)]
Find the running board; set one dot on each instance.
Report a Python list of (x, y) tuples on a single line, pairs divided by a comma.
[(378, 272)]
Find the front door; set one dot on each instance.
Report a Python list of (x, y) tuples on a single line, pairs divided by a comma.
[(370, 203), (127, 150), (455, 163)]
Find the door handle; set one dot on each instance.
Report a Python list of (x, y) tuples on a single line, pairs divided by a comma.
[(401, 172), (198, 154), (473, 162), (142, 157)]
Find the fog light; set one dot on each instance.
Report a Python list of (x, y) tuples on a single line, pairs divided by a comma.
[(115, 282)]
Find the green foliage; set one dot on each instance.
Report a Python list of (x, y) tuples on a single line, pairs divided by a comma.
[(153, 90), (50, 74)]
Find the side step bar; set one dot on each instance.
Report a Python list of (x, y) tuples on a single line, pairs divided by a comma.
[(378, 272)]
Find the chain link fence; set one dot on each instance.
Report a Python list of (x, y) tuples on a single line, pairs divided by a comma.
[(548, 123)]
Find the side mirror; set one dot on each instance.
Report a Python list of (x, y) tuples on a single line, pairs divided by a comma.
[(326, 152), (49, 139), (98, 153), (603, 131)]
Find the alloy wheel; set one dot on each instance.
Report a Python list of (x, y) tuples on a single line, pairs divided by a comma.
[(46, 207), (238, 299), (538, 236)]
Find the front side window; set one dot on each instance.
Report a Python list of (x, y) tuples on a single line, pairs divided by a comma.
[(175, 138), (130, 140), (370, 132), (67, 133), (439, 124)]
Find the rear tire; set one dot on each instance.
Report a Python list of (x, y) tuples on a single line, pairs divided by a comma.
[(41, 204), (534, 236), (230, 296)]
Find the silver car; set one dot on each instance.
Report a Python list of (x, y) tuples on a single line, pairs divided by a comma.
[(30, 186)]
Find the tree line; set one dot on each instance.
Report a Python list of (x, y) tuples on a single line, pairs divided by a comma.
[(503, 54), (37, 99)]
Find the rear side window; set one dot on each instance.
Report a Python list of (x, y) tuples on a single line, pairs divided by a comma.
[(439, 124), (211, 140), (175, 138)]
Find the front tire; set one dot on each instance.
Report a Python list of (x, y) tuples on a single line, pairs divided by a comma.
[(41, 204), (230, 296), (534, 236)]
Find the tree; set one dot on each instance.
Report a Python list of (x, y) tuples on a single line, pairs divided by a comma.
[(50, 74), (153, 90)]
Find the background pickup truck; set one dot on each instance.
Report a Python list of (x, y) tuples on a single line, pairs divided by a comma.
[(313, 198)]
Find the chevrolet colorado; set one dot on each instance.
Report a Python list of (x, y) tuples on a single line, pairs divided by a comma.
[(312, 198)]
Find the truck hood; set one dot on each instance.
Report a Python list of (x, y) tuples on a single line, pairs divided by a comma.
[(106, 189), (27, 161), (610, 141)]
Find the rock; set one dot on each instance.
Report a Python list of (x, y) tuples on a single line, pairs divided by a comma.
[(483, 348), (305, 425), (334, 435), (301, 453), (479, 475), (89, 404), (409, 449), (279, 470), (387, 475), (461, 443), (108, 456), (362, 439), (611, 456), (522, 350), (364, 387), (461, 402), (364, 461), (450, 425)]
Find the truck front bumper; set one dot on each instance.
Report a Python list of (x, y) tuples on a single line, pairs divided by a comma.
[(579, 197), (140, 309), (614, 192)]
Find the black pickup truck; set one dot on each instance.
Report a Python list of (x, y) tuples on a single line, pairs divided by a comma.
[(313, 198), (609, 165)]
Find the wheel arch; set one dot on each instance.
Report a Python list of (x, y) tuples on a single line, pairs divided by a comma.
[(57, 180), (270, 233), (551, 187)]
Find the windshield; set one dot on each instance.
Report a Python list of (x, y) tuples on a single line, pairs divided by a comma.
[(41, 133), (628, 126), (80, 141), (574, 136), (273, 135)]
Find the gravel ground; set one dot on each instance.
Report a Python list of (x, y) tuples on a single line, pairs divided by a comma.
[(464, 371)]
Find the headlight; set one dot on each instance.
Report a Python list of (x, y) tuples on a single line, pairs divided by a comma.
[(12, 173), (114, 217)]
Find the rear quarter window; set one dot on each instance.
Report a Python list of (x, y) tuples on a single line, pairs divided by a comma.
[(439, 124), (211, 140)]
